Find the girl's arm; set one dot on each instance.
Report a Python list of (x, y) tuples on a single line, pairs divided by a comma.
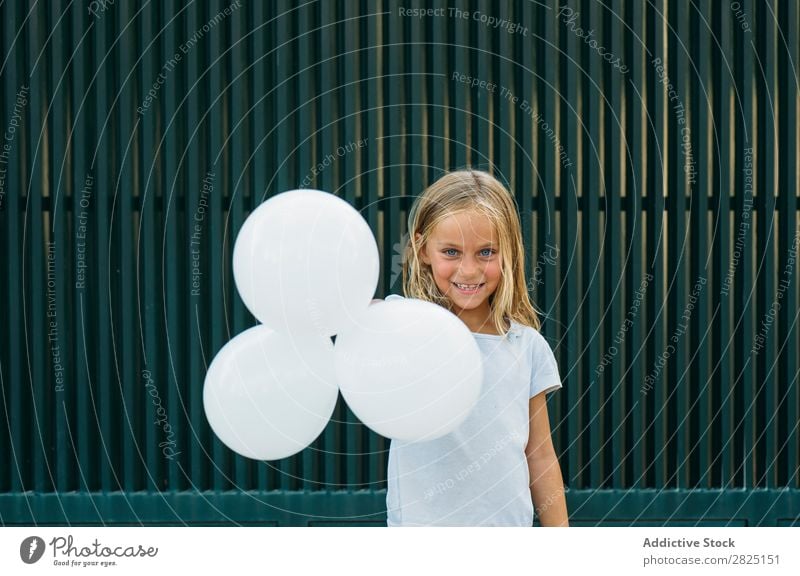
[(547, 485)]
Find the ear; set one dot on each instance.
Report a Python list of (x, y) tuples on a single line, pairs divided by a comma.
[(423, 250)]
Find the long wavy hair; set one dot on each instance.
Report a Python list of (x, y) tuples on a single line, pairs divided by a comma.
[(471, 190)]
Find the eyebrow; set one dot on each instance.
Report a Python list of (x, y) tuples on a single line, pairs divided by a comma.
[(451, 244)]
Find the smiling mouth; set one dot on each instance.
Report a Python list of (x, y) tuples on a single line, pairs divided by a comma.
[(468, 288)]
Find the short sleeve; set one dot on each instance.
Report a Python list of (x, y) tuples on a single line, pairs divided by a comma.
[(544, 369)]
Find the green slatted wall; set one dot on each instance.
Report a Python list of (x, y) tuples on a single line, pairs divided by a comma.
[(671, 300)]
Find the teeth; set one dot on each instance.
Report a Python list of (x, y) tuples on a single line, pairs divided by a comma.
[(467, 286)]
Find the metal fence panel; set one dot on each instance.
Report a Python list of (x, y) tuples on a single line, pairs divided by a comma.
[(654, 163)]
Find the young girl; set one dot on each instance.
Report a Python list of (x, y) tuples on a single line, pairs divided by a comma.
[(465, 253)]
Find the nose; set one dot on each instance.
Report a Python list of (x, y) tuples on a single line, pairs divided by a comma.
[(470, 269)]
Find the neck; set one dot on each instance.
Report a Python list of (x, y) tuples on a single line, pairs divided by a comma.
[(477, 319)]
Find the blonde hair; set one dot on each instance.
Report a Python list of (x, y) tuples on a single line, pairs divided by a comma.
[(460, 191)]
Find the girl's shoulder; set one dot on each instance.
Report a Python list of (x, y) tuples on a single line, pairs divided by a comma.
[(530, 334)]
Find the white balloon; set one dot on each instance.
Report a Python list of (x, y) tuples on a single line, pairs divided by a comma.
[(268, 397), (306, 262), (410, 370)]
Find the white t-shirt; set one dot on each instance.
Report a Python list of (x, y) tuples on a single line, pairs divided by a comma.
[(477, 475)]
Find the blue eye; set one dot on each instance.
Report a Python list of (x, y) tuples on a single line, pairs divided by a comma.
[(486, 252)]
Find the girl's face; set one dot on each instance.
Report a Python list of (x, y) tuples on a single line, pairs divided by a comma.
[(464, 256)]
